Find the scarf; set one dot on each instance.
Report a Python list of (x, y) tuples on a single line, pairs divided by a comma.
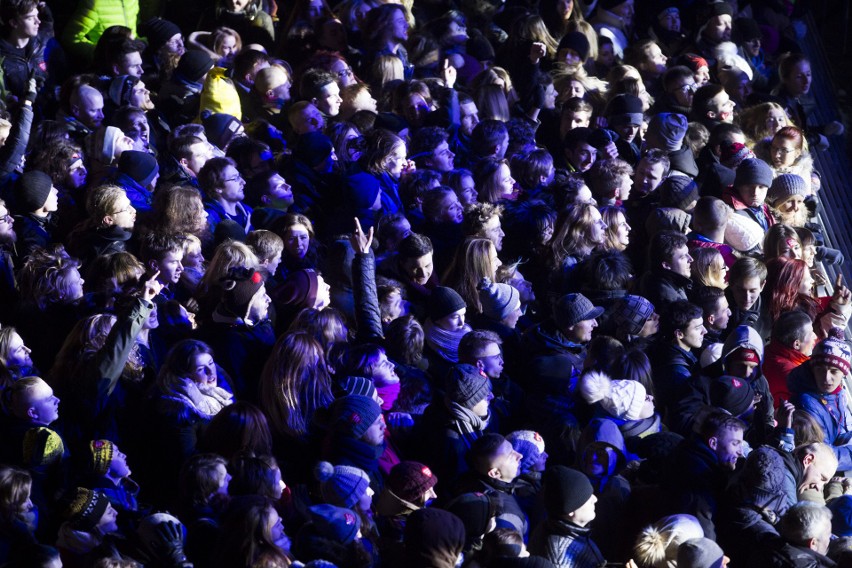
[(469, 425), (389, 394), (445, 343), (206, 400)]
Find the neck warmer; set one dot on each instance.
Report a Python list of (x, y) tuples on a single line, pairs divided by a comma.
[(389, 394), (206, 400), (445, 343)]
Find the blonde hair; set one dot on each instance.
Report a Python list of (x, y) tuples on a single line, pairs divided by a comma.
[(265, 244), (704, 267), (657, 544)]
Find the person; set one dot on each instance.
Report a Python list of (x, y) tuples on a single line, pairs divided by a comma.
[(89, 529), (668, 279), (37, 201), (162, 254), (793, 342), (673, 362), (108, 228), (748, 193), (806, 530), (21, 47), (224, 187), (659, 543)]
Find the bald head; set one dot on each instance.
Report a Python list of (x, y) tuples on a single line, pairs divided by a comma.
[(820, 465), (87, 106)]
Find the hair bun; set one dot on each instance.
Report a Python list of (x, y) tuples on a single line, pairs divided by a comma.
[(484, 284)]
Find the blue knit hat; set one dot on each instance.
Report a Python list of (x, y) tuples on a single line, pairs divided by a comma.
[(341, 485), (335, 523), (530, 445), (352, 415)]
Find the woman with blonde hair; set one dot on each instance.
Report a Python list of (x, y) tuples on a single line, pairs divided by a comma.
[(14, 357), (228, 255), (657, 544), (474, 260), (761, 122), (617, 228), (18, 518), (788, 153), (253, 535), (709, 268)]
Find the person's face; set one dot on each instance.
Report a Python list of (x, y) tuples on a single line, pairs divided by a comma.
[(329, 102), (396, 161), (500, 153), (393, 306), (807, 285), (753, 194), (383, 371), (569, 57), (442, 158), (578, 119), (309, 120), (237, 5), (19, 354), (399, 27), (468, 195), (491, 361), (131, 64), (826, 378), (43, 404), (297, 240), (582, 157), (453, 321), (365, 101), (627, 132), (681, 261), (741, 369), (606, 55), (233, 185), (118, 466), (107, 524), (481, 407), (822, 539), (524, 287), (656, 61), (124, 215), (506, 182), (201, 152), (323, 294), (52, 202), (550, 95), (203, 371), (670, 21), (375, 434), (586, 513), (728, 447), (651, 326), (624, 10), (194, 258), (74, 282), (647, 177), (91, 110), (152, 322), (343, 72), (175, 45), (451, 209), (799, 80), (228, 46), (224, 479), (724, 107), (683, 91), (806, 346), (140, 97), (582, 332), (784, 152), (752, 46), (776, 119), (279, 194), (702, 76), (7, 229), (718, 28), (415, 109), (469, 117), (597, 228), (493, 231), (28, 24), (366, 500), (506, 462), (419, 269), (259, 306), (693, 335), (818, 471), (622, 232), (170, 267), (281, 92), (722, 315), (741, 90), (747, 292), (76, 176)]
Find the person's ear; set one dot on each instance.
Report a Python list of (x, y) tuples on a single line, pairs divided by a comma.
[(666, 265), (808, 459), (797, 344), (762, 284), (713, 442), (265, 199), (711, 319), (108, 221), (678, 334), (480, 365), (494, 473), (153, 265)]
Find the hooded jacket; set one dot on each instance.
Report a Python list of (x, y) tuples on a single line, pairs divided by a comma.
[(832, 411), (779, 362)]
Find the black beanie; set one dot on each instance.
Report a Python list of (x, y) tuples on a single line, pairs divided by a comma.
[(624, 109), (32, 191), (239, 287), (433, 537), (732, 394), (576, 41), (565, 491), (313, 148), (745, 29), (719, 9), (158, 32), (443, 301), (140, 166), (193, 65), (475, 511), (219, 127)]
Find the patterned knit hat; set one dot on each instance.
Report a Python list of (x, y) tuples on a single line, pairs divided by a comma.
[(666, 131), (784, 187), (678, 191), (85, 508), (341, 485), (530, 445), (622, 399), (734, 154), (354, 385), (102, 452), (753, 171), (571, 309), (833, 351), (498, 300), (631, 313), (410, 480), (335, 523), (444, 301), (732, 394), (42, 446), (466, 385), (240, 286), (352, 415)]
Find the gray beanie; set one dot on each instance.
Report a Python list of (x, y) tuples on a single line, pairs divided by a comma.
[(753, 171), (699, 553), (784, 187), (631, 313), (666, 131), (498, 300), (571, 309)]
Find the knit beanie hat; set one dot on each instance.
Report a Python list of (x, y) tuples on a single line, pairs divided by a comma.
[(565, 490), (753, 171), (102, 452), (352, 415), (732, 155), (693, 61), (466, 385), (240, 287), (624, 109), (84, 508), (219, 127), (361, 386), (743, 234), (335, 523), (433, 537), (530, 445), (678, 191), (141, 167), (193, 65), (720, 8), (784, 187), (120, 89), (576, 41), (475, 511), (32, 191), (299, 290), (700, 553), (444, 301), (111, 134), (313, 148), (610, 4), (732, 394), (745, 29), (666, 131), (571, 309), (341, 485), (158, 32), (498, 300), (833, 351), (743, 355), (841, 520), (363, 190), (622, 399), (631, 313), (410, 480), (42, 446)]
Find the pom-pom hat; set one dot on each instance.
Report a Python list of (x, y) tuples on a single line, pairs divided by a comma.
[(622, 399), (341, 485), (833, 351)]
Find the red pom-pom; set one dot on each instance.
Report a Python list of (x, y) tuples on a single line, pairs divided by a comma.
[(256, 277)]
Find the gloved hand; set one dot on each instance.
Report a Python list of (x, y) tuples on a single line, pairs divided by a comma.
[(829, 255), (811, 205), (166, 548)]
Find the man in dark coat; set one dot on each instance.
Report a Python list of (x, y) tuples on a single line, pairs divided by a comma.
[(806, 532), (668, 277)]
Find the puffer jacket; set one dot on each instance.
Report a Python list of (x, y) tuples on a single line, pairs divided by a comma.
[(779, 363), (91, 18), (18, 66), (566, 545)]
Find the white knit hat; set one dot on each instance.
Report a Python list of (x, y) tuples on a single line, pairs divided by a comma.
[(622, 399), (742, 233)]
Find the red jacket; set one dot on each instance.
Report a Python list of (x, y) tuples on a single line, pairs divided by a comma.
[(778, 361)]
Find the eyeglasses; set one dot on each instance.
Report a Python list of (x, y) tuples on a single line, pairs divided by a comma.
[(127, 209), (6, 219), (345, 73), (691, 88), (784, 151), (237, 177)]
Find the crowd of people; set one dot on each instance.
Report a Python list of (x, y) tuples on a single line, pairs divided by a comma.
[(435, 284)]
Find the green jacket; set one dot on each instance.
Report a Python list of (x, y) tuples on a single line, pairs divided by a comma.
[(91, 18)]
